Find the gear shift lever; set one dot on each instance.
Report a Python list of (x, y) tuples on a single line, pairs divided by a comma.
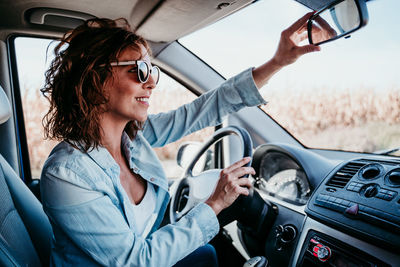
[(258, 261)]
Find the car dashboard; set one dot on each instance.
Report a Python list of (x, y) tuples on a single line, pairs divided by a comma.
[(329, 212)]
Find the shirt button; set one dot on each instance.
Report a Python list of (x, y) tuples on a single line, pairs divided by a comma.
[(152, 179), (135, 170)]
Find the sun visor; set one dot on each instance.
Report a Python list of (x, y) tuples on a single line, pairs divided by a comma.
[(173, 19)]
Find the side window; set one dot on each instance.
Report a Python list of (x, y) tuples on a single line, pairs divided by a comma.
[(32, 64), (169, 95)]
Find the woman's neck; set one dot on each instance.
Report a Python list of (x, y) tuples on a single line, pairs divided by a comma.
[(111, 136)]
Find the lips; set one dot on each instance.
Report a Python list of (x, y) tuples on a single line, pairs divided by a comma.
[(143, 100)]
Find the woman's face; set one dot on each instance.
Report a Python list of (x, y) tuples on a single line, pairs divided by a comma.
[(128, 97)]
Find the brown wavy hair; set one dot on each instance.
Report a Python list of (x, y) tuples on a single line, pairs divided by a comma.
[(76, 78)]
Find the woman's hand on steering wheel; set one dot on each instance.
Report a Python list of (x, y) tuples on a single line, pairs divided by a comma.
[(230, 186)]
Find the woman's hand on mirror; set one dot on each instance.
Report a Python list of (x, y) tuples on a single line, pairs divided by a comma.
[(321, 30), (289, 49), (230, 185)]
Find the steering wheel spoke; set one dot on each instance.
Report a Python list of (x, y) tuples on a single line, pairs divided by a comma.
[(195, 189)]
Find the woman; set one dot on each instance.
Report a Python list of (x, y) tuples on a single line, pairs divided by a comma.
[(103, 187)]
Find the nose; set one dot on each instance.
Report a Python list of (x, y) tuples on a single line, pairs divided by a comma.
[(150, 84)]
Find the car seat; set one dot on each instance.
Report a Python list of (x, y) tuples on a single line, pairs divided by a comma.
[(25, 231)]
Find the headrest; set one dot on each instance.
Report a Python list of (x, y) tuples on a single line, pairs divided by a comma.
[(5, 108)]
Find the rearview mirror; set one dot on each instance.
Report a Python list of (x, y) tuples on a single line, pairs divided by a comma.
[(336, 20)]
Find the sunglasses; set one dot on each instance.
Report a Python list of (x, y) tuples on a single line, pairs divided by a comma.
[(143, 69)]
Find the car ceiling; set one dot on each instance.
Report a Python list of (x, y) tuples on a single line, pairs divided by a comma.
[(156, 20)]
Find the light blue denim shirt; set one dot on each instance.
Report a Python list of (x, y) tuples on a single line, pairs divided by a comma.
[(88, 207)]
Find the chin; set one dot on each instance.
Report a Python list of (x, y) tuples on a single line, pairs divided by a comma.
[(141, 119)]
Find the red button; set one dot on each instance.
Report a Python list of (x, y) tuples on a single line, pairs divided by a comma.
[(353, 210)]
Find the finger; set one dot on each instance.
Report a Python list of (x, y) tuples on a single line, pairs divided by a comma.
[(299, 37), (324, 26), (323, 23), (303, 37), (244, 183), (307, 49), (240, 172), (302, 29), (241, 190), (236, 165), (300, 22)]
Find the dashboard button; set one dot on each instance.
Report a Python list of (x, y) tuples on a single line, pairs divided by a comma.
[(383, 191), (323, 197), (391, 194), (371, 190), (380, 195), (355, 187), (323, 253), (388, 197), (352, 210), (345, 203)]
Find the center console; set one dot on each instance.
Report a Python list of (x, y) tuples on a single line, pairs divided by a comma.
[(353, 217)]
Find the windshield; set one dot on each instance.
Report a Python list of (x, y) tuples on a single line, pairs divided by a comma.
[(346, 97)]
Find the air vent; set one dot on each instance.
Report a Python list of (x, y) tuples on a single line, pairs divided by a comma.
[(371, 171), (394, 178), (344, 175)]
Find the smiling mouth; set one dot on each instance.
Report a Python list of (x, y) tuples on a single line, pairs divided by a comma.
[(143, 100)]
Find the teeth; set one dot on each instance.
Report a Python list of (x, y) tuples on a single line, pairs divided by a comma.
[(143, 99)]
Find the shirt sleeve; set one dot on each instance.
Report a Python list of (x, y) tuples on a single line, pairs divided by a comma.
[(207, 110), (97, 227)]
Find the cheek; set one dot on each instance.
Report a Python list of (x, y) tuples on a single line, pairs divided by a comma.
[(122, 88)]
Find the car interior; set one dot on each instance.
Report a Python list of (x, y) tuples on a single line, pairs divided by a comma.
[(310, 205)]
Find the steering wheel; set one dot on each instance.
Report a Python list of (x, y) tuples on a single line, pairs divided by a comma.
[(193, 189)]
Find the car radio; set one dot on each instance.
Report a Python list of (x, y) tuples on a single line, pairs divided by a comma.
[(322, 250)]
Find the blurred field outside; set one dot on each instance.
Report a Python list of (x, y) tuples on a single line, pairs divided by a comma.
[(35, 107), (360, 120)]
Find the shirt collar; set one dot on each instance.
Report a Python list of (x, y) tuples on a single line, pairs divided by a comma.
[(103, 158), (131, 148)]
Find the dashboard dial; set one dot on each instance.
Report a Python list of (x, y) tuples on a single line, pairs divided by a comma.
[(289, 184), (284, 178)]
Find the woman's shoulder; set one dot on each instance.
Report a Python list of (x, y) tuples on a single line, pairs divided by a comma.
[(65, 158), (63, 152), (69, 164)]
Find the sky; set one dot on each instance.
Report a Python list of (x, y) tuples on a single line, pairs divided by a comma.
[(370, 58)]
